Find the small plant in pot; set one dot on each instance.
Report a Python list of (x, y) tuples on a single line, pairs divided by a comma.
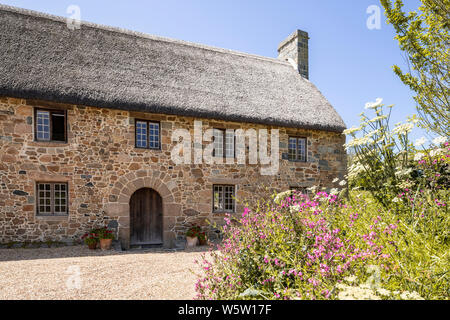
[(91, 239), (192, 236), (202, 239), (106, 237)]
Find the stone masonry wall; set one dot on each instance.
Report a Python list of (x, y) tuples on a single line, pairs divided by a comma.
[(103, 169)]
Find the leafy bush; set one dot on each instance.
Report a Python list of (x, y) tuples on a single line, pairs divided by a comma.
[(385, 161), (296, 248)]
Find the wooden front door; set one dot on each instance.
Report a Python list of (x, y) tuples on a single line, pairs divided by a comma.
[(146, 218)]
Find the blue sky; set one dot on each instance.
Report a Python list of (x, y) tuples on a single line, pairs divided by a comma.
[(349, 63)]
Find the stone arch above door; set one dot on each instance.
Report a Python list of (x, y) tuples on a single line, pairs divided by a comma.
[(119, 202)]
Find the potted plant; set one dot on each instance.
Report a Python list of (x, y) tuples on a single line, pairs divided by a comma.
[(192, 236), (91, 239), (202, 240), (106, 237)]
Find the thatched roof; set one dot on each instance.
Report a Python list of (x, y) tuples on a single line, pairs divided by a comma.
[(41, 58)]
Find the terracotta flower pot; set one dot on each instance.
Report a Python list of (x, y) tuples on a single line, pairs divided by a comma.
[(92, 246), (105, 244), (192, 242), (203, 242)]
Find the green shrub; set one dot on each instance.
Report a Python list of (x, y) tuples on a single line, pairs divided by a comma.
[(298, 248)]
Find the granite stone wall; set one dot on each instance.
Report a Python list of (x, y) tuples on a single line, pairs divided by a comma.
[(103, 169)]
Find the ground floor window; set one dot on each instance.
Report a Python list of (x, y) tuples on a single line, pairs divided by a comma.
[(224, 199), (52, 198)]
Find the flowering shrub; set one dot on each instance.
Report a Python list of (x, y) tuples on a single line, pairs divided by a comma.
[(385, 161), (300, 248), (296, 249)]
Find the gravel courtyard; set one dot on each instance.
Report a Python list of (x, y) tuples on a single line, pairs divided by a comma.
[(143, 275)]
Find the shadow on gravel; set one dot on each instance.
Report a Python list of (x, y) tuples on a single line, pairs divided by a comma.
[(19, 254)]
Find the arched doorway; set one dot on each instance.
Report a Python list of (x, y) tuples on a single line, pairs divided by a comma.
[(146, 218)]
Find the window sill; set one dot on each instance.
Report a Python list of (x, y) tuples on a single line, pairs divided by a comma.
[(48, 144), (52, 218), (146, 149)]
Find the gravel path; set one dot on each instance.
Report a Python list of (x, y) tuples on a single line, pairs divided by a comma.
[(143, 275)]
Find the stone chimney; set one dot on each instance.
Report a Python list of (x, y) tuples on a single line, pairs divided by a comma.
[(295, 50)]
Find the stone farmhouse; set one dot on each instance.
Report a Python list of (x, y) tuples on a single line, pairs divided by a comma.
[(87, 117)]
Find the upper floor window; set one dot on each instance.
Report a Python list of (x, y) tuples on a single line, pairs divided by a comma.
[(297, 149), (148, 135), (224, 199), (52, 198), (50, 125), (224, 143)]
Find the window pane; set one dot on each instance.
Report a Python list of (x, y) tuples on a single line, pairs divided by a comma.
[(154, 135), (43, 125), (218, 143), (60, 199), (58, 127), (229, 198), (229, 144), (218, 198), (292, 148), (301, 149), (141, 134), (44, 198)]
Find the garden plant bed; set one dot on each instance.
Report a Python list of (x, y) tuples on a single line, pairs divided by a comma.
[(144, 275)]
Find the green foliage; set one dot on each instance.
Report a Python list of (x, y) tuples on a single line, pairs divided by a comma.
[(324, 248), (194, 231), (385, 161), (424, 38)]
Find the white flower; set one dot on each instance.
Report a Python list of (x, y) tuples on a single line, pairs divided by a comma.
[(383, 292), (334, 191), (342, 183), (440, 140), (358, 142), (396, 199), (351, 130), (350, 279), (437, 152), (403, 129), (411, 296), (281, 196), (335, 180), (374, 105), (420, 142), (294, 209), (419, 156), (378, 118), (403, 172)]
